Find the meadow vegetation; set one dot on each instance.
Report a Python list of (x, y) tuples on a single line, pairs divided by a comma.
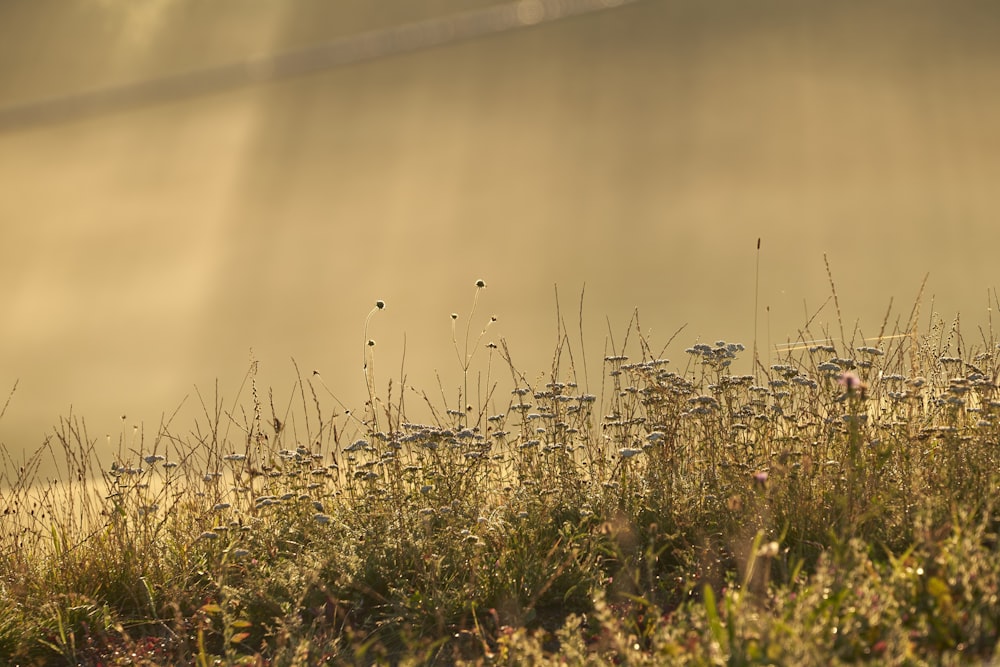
[(834, 504)]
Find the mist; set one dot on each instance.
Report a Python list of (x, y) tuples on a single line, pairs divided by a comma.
[(171, 215)]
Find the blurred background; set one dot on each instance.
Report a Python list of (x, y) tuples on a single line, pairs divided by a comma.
[(184, 182)]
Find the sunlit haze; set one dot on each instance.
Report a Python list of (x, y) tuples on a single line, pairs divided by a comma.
[(152, 236)]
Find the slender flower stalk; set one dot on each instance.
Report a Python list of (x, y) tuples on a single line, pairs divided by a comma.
[(369, 363)]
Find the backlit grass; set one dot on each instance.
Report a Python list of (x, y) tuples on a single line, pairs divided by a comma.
[(834, 504)]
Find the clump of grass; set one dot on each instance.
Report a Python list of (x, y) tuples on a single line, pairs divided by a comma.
[(837, 505)]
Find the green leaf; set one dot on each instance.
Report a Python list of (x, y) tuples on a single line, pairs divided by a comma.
[(714, 622)]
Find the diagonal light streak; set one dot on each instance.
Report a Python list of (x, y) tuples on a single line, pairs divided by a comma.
[(806, 344), (349, 50)]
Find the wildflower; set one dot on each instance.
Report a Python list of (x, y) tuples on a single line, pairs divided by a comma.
[(760, 478), (629, 452), (769, 550), (237, 554), (218, 507), (321, 518), (148, 509), (958, 386), (208, 535), (154, 458), (234, 457), (853, 384)]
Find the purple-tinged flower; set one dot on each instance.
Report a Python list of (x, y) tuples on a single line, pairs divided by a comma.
[(852, 384)]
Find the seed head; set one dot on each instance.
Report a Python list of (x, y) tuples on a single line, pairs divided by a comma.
[(371, 343), (480, 283), (380, 304), (769, 550)]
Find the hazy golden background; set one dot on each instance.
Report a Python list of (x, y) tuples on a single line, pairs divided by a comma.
[(641, 150)]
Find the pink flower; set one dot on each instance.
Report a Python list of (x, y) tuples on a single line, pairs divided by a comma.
[(852, 383)]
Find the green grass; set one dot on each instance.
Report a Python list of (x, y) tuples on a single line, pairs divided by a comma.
[(836, 504)]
